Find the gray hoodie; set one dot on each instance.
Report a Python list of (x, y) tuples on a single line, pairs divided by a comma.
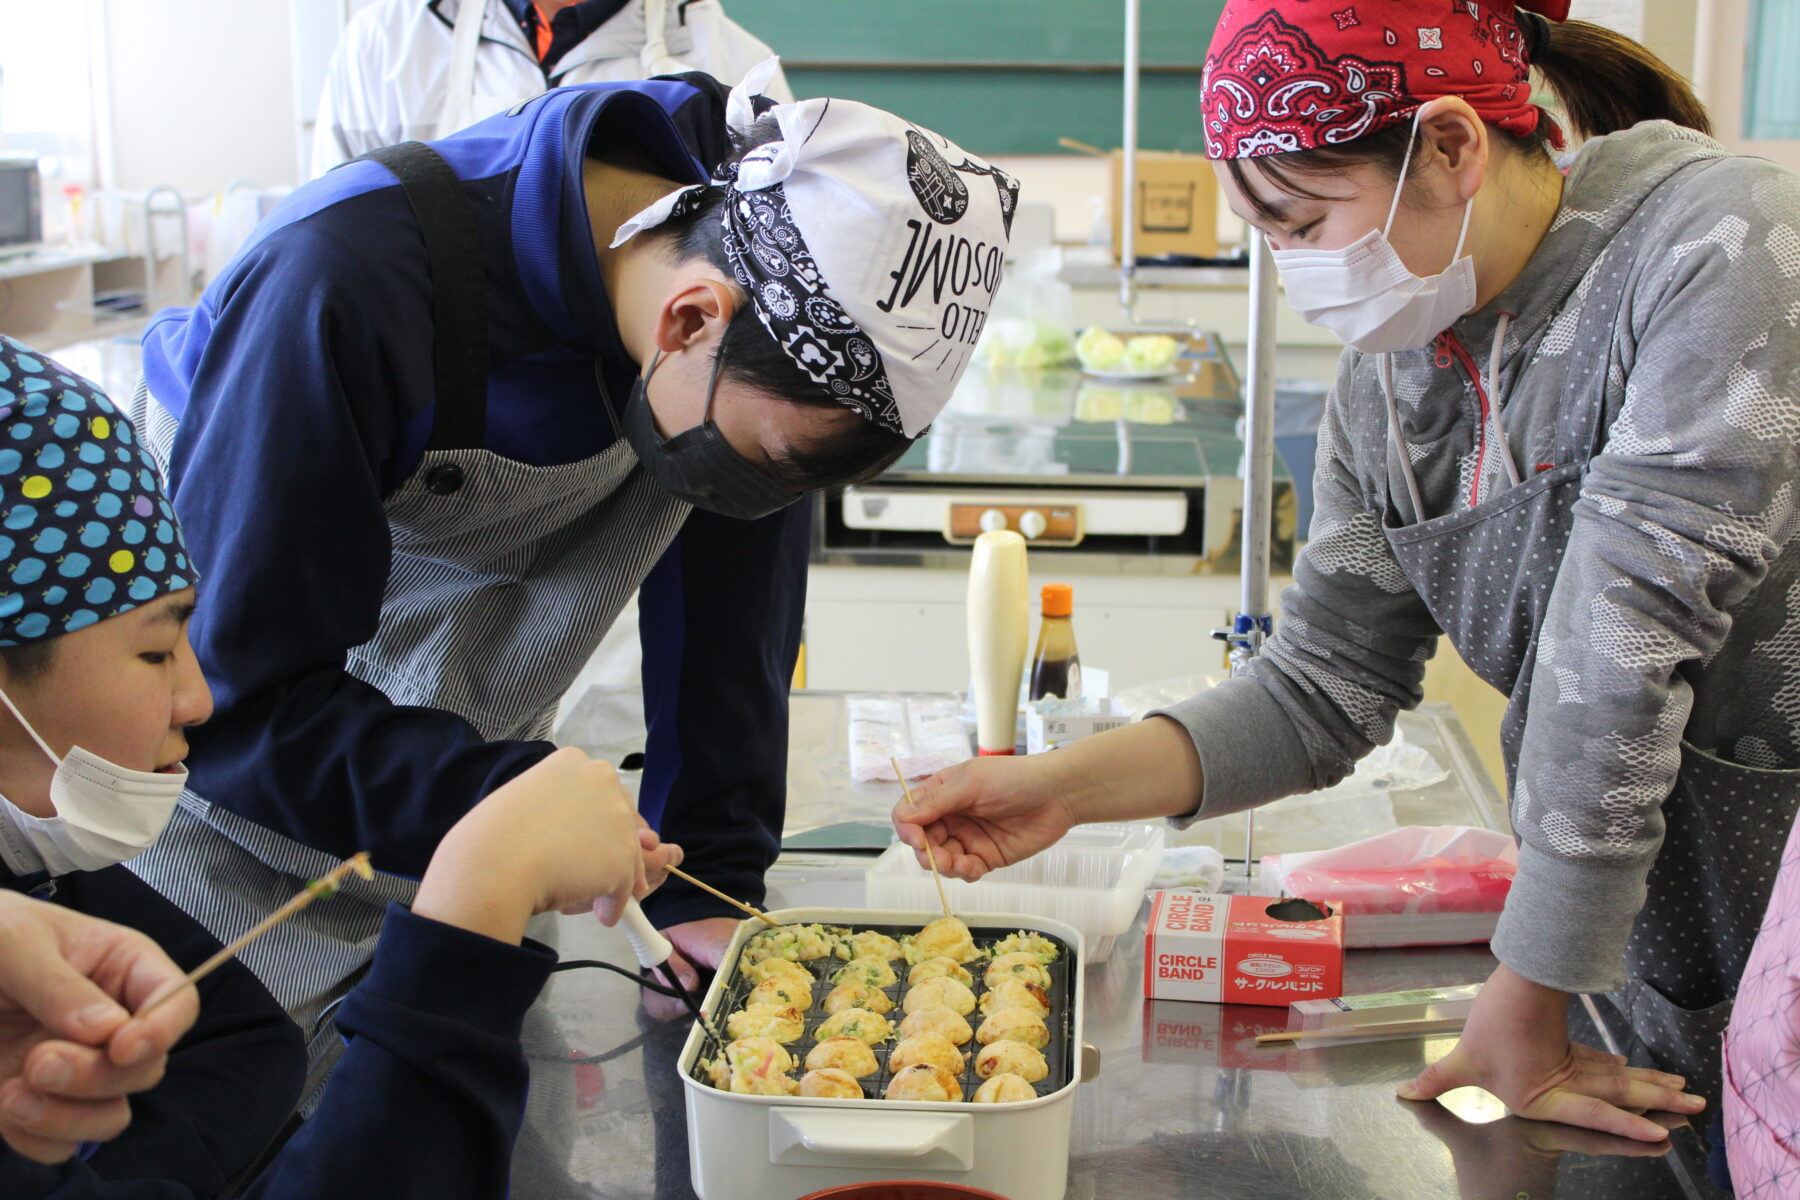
[(1668, 287)]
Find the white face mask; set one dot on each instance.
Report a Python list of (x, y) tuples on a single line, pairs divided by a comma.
[(1368, 297), (105, 813)]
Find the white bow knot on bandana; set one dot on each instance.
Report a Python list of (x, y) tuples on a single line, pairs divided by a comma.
[(870, 248)]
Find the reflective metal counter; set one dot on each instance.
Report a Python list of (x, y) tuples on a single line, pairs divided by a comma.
[(1186, 1104)]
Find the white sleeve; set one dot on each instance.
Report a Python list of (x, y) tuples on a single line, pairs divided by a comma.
[(347, 124), (328, 148), (727, 51)]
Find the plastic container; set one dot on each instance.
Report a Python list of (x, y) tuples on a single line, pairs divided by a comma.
[(1094, 879), (778, 1147)]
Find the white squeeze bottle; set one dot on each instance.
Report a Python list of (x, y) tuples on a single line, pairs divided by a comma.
[(999, 614)]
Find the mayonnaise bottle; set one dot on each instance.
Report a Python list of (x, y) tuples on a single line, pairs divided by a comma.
[(999, 619)]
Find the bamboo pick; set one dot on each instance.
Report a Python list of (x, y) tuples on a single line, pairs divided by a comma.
[(707, 887), (318, 889), (1379, 1029), (930, 855)]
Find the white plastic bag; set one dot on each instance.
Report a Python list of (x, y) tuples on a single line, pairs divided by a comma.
[(925, 733)]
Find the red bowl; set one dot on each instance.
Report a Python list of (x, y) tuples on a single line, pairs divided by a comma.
[(903, 1190)]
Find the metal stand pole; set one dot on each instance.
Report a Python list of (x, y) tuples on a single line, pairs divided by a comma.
[(1254, 622), (1128, 177)]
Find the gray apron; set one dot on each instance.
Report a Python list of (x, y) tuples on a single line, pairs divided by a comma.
[(1713, 875), (505, 577)]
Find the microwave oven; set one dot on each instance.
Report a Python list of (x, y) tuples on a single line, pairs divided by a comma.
[(21, 205)]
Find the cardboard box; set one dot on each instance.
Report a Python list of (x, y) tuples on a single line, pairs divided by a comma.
[(1242, 949), (1177, 205), (1048, 733)]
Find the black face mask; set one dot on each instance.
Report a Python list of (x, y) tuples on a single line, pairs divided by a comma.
[(699, 466)]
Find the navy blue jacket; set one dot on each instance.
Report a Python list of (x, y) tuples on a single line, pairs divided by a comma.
[(304, 389), (426, 1101)]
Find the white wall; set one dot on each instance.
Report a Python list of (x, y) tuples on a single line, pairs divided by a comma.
[(199, 93)]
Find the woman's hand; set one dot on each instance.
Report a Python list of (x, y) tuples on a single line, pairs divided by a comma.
[(1516, 1045), (986, 813), (990, 812)]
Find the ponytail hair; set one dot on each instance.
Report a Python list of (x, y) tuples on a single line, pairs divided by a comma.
[(1608, 82)]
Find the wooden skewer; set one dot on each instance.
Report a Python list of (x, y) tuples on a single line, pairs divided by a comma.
[(1084, 147), (709, 888), (318, 889), (930, 855), (1379, 1029)]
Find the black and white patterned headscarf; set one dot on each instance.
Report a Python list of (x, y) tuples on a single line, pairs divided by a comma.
[(870, 249)]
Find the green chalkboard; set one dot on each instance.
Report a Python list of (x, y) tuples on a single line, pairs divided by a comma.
[(997, 76)]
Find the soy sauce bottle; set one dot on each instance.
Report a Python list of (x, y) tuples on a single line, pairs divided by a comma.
[(1056, 667)]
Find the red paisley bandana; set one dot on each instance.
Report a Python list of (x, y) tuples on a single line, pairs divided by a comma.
[(1287, 75)]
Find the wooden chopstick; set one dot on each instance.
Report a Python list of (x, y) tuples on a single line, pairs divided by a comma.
[(710, 889), (318, 889), (930, 855), (1379, 1029)]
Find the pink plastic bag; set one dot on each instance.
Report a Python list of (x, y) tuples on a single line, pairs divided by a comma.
[(1418, 886)]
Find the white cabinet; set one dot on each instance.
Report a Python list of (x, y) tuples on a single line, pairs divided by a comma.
[(903, 628)]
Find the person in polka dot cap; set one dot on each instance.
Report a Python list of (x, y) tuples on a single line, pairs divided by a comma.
[(86, 532), (99, 687)]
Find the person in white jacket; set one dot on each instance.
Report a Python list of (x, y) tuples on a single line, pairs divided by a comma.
[(422, 69)]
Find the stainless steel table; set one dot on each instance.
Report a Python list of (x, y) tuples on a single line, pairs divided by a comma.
[(1186, 1104)]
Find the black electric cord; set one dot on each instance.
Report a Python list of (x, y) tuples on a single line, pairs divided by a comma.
[(673, 989), (643, 981)]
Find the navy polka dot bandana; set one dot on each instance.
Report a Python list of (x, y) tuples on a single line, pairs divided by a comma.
[(86, 530)]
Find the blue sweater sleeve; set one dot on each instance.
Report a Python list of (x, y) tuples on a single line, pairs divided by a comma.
[(297, 397), (720, 620), (425, 1103), (430, 1093)]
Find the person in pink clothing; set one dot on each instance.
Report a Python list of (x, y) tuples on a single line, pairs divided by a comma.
[(1762, 1050)]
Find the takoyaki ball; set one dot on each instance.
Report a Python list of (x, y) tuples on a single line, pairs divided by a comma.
[(946, 937), (788, 993), (754, 1066), (1014, 1025), (779, 968), (775, 1021), (1013, 994), (932, 1048), (800, 943), (939, 968), (1024, 942), (1025, 968), (869, 944), (1004, 1088), (873, 971), (1014, 1058), (857, 995), (941, 1021), (940, 993), (844, 1054), (921, 1081), (871, 1029), (829, 1083)]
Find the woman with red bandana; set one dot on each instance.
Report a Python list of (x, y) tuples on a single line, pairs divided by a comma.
[(1563, 434)]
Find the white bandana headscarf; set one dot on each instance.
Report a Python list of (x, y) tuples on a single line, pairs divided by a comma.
[(870, 248)]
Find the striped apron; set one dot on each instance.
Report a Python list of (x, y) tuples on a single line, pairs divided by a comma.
[(505, 577)]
